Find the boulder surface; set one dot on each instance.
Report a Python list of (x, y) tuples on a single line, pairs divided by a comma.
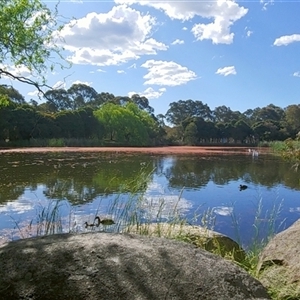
[(119, 266), (209, 240), (279, 263)]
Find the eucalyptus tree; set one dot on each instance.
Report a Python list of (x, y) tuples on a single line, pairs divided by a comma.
[(28, 41), (142, 102), (269, 112), (104, 98), (224, 114), (81, 95), (184, 109), (12, 93), (58, 100)]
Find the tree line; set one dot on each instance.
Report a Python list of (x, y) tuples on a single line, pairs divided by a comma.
[(82, 113)]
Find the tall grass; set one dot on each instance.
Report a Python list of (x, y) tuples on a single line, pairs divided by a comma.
[(264, 228), (49, 219)]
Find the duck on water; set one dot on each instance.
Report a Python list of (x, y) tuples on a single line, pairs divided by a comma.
[(243, 187), (98, 221)]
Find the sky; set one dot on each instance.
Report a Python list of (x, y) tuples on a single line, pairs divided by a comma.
[(241, 54)]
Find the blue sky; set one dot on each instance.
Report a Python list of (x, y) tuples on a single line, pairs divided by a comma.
[(242, 54)]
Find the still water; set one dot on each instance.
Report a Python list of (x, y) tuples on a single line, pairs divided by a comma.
[(202, 189)]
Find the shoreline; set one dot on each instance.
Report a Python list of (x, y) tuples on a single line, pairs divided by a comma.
[(147, 150)]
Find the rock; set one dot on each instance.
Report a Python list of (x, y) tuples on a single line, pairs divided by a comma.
[(279, 263), (209, 240), (119, 266)]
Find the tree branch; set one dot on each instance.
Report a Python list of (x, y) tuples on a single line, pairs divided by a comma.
[(22, 79)]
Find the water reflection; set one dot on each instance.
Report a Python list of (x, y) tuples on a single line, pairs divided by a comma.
[(87, 182), (195, 172)]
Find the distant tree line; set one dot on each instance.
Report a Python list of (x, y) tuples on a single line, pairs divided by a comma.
[(82, 113)]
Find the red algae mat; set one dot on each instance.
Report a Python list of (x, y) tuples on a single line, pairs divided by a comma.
[(148, 150)]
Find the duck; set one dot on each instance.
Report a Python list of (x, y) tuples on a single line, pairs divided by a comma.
[(105, 222), (87, 225), (243, 187)]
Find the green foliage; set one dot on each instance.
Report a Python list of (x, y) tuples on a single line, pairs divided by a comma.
[(183, 109), (29, 31), (190, 134), (292, 152), (12, 94), (81, 113), (4, 101), (125, 125)]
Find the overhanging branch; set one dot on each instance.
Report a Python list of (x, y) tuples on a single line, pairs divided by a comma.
[(23, 79)]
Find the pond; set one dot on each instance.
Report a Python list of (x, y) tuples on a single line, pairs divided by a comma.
[(203, 189)]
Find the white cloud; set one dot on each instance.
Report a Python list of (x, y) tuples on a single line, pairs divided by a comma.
[(133, 66), (149, 93), (59, 85), (296, 74), (226, 71), (248, 32), (120, 71), (184, 28), (287, 39), (82, 82), (223, 13), (16, 71), (265, 3), (101, 71), (177, 42), (111, 38), (166, 73), (35, 93)]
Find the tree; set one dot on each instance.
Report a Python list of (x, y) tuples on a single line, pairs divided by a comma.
[(28, 38), (270, 112), (190, 134), (81, 95), (70, 124), (292, 116), (142, 103), (267, 130), (22, 123), (183, 109), (57, 100), (6, 107), (224, 114), (12, 93), (242, 131), (122, 125)]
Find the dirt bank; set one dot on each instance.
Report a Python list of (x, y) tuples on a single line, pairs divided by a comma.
[(150, 150)]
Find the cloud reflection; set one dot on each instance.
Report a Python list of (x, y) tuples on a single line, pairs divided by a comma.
[(223, 210)]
